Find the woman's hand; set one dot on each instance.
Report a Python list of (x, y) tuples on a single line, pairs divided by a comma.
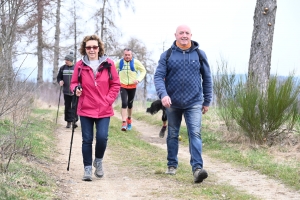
[(78, 91)]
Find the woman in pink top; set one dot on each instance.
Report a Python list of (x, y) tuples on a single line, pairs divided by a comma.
[(99, 85)]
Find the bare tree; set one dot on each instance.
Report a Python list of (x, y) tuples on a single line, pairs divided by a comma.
[(40, 13), (105, 16), (11, 14), (56, 42), (262, 40), (75, 31), (72, 28), (44, 24)]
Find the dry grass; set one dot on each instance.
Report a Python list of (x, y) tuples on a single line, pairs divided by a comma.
[(48, 96)]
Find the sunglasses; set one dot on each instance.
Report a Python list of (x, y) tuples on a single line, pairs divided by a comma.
[(93, 47), (127, 49)]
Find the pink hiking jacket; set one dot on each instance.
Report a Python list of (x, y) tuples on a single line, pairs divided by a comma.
[(98, 92)]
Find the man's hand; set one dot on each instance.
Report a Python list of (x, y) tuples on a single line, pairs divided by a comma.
[(61, 83), (204, 109), (166, 102), (136, 82)]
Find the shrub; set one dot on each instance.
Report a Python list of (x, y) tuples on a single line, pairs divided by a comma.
[(258, 114)]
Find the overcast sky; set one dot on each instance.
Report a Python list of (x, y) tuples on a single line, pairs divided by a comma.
[(223, 28)]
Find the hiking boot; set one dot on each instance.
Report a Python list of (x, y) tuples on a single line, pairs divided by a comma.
[(162, 132), (99, 171), (87, 173), (171, 171), (68, 124), (200, 175), (124, 126), (129, 127)]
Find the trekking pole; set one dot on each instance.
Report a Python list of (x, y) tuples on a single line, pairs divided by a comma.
[(58, 103), (73, 123)]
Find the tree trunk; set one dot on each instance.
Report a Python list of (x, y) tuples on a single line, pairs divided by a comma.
[(145, 92), (8, 24), (40, 9), (75, 33), (102, 20), (262, 40), (56, 43)]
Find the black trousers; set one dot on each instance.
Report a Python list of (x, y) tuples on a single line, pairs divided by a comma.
[(127, 97), (69, 109)]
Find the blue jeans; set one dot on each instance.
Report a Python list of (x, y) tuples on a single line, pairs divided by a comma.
[(87, 128), (193, 117)]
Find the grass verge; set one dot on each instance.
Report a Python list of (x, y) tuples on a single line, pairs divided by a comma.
[(25, 179)]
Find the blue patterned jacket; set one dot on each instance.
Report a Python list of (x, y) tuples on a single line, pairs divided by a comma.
[(183, 79)]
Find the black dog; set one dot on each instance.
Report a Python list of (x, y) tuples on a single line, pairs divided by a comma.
[(154, 108)]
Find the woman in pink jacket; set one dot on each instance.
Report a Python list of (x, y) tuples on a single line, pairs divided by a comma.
[(99, 85)]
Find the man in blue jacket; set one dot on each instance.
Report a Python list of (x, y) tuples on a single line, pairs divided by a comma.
[(183, 82)]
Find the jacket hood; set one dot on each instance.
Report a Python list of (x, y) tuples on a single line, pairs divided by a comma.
[(85, 59)]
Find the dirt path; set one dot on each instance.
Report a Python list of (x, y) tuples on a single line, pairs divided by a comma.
[(119, 183)]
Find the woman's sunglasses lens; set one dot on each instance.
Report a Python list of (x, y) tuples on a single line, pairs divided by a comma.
[(89, 48)]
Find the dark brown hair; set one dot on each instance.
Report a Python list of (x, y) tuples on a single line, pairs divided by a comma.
[(88, 38)]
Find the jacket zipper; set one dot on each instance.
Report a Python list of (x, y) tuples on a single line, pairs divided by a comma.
[(182, 103)]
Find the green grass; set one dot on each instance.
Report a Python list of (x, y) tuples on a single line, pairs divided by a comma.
[(4, 126), (25, 179), (43, 137), (257, 159), (150, 161)]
